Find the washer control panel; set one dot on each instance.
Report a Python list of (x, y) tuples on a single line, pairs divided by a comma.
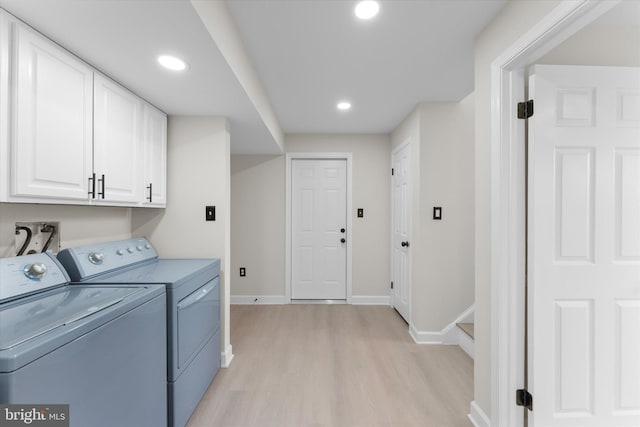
[(36, 270), (84, 262), (28, 274)]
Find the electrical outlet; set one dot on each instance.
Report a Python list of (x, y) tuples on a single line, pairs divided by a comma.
[(243, 271)]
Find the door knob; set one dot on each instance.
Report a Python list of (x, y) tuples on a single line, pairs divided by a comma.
[(342, 230), (343, 240), (405, 244)]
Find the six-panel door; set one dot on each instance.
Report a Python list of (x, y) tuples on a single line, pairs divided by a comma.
[(584, 246), (318, 229)]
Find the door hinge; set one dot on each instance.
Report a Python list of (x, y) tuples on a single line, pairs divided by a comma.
[(392, 171), (524, 398), (391, 285), (525, 109)]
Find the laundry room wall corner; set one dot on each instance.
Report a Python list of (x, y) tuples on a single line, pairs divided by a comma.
[(198, 175)]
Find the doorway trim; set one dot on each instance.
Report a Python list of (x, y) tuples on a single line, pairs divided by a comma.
[(508, 73), (316, 156)]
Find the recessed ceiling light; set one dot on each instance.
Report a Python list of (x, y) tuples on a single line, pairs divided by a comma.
[(343, 106), (172, 63), (367, 9)]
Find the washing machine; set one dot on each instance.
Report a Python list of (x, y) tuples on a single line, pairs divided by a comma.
[(193, 309), (98, 349)]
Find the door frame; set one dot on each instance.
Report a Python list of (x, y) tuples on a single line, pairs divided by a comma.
[(290, 157), (394, 151), (508, 72)]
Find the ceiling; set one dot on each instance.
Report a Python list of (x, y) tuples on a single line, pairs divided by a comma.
[(308, 55), (311, 54)]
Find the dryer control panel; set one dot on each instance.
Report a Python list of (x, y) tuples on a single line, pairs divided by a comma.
[(85, 262), (29, 274)]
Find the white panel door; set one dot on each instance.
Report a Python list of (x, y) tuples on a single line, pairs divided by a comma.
[(318, 228), (52, 119), (118, 144), (401, 229), (584, 246), (155, 157)]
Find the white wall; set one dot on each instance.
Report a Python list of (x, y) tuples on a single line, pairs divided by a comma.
[(597, 44), (257, 225), (442, 269), (198, 174), (443, 284), (258, 212), (79, 225), (514, 20)]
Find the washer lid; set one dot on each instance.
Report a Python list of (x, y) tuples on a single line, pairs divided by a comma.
[(23, 320)]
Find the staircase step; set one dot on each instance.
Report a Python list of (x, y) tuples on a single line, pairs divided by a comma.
[(467, 328)]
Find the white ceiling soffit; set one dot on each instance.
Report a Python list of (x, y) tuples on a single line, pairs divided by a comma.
[(123, 38), (311, 54)]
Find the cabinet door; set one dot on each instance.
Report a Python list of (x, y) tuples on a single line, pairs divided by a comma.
[(52, 124), (117, 145), (4, 106), (155, 157)]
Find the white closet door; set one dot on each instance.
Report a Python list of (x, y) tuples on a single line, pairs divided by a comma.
[(584, 246), (51, 134), (318, 224), (401, 230)]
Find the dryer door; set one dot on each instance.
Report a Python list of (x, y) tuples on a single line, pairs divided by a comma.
[(198, 318)]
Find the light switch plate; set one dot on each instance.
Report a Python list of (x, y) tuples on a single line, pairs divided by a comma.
[(210, 213), (437, 213)]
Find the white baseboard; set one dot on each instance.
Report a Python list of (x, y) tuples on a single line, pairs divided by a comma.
[(450, 335), (227, 357), (469, 315), (466, 343), (453, 335), (257, 299), (370, 300), (421, 337), (281, 299), (477, 416), (450, 332)]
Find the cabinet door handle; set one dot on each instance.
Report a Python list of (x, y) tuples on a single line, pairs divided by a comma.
[(101, 194), (149, 187), (92, 186)]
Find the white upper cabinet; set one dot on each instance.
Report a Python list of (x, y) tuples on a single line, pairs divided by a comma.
[(51, 136), (155, 157), (70, 135), (117, 143), (4, 105)]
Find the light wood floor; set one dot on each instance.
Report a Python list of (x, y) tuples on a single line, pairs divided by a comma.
[(334, 365)]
